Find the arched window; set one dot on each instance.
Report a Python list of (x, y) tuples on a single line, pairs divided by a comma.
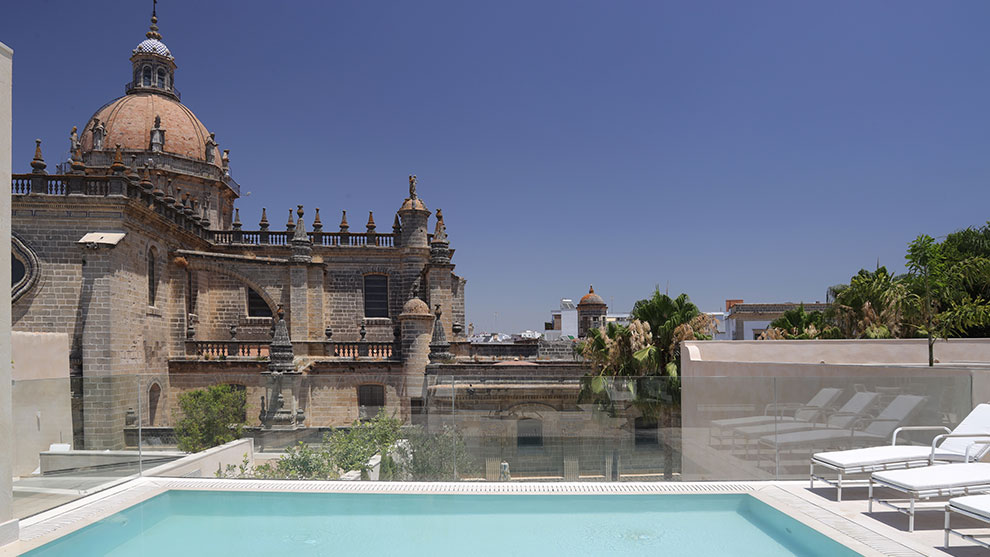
[(161, 78), (256, 305), (17, 270), (529, 433), (371, 399), (154, 395), (152, 278), (375, 296), (146, 76)]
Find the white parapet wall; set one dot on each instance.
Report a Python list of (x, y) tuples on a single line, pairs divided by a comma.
[(8, 526), (42, 399), (205, 464)]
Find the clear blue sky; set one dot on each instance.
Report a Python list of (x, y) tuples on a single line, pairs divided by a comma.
[(756, 150)]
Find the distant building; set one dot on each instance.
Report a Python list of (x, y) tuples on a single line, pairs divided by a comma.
[(721, 330), (618, 318), (591, 311), (748, 321), (563, 322), (575, 322)]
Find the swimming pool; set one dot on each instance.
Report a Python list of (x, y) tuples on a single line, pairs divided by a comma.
[(193, 522)]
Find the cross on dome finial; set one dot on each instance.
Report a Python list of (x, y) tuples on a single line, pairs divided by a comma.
[(153, 30)]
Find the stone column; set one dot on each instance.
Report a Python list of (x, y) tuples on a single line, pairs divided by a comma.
[(299, 279), (8, 526), (103, 400), (415, 250), (417, 330)]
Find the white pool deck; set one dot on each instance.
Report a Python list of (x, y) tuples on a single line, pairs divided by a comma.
[(882, 533)]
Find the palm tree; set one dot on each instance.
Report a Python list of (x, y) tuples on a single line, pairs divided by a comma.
[(802, 325), (671, 321), (872, 305)]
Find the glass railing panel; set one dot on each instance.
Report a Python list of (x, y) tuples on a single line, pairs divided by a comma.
[(866, 412), (715, 415), (495, 427)]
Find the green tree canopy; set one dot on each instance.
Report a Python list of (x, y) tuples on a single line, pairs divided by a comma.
[(210, 417)]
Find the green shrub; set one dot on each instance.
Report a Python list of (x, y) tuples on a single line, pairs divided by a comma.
[(436, 456), (210, 417), (341, 451), (351, 449)]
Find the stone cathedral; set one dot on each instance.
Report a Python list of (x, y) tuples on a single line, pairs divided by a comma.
[(135, 248)]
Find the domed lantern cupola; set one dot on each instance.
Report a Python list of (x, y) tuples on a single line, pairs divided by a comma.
[(154, 65)]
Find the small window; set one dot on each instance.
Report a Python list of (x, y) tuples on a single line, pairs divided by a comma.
[(161, 77), (371, 399), (192, 294), (152, 279), (376, 296), (17, 270), (257, 306), (529, 433), (146, 78), (154, 395), (646, 432)]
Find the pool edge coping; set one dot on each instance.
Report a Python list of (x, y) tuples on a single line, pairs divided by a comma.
[(56, 523)]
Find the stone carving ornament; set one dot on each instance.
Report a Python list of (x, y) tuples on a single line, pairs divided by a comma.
[(99, 134), (32, 269)]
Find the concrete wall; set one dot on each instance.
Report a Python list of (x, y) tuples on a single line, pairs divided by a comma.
[(8, 526), (42, 405), (856, 351), (728, 379), (206, 463)]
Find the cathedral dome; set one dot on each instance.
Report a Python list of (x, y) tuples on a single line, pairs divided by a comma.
[(592, 299), (129, 120)]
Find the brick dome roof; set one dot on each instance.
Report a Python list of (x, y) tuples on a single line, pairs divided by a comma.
[(591, 299), (129, 120)]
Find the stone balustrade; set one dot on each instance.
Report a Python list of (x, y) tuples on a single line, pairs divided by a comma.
[(122, 186), (253, 349)]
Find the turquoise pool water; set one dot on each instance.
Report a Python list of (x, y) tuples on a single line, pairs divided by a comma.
[(189, 523)]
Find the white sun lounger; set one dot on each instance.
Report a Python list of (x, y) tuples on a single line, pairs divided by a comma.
[(944, 480), (878, 429), (944, 448), (844, 418), (803, 413), (973, 506)]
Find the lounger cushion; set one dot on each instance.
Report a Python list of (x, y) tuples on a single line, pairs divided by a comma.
[(769, 429), (823, 398), (976, 504), (750, 421), (888, 454), (977, 422), (937, 477), (819, 436)]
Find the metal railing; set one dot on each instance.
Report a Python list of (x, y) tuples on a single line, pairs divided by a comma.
[(137, 86)]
